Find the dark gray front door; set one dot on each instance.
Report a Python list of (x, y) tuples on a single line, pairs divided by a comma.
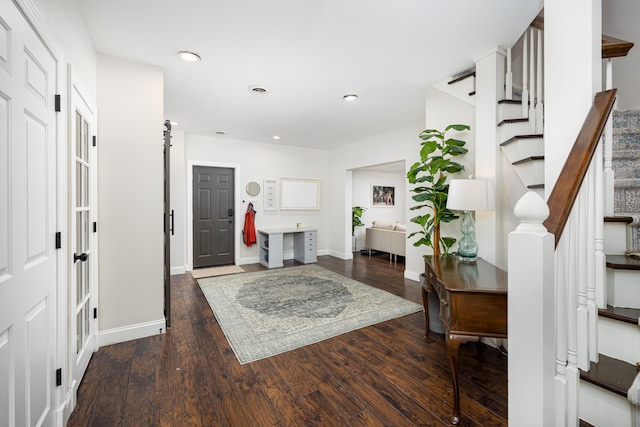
[(213, 216)]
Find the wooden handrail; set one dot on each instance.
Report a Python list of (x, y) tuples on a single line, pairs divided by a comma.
[(575, 168), (615, 48), (611, 46)]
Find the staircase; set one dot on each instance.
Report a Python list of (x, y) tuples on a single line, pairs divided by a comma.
[(603, 388), (626, 161)]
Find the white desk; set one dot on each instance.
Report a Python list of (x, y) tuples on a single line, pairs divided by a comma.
[(271, 245)]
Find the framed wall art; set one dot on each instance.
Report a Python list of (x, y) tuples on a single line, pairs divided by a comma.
[(383, 196), (299, 194)]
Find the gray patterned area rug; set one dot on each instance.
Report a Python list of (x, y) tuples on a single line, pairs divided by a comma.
[(270, 312)]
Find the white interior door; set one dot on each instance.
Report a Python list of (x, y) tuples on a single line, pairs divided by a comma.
[(83, 257), (28, 257)]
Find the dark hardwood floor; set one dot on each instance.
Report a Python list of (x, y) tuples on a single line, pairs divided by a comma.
[(382, 375)]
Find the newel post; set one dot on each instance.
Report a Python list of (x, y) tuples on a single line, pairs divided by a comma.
[(531, 316)]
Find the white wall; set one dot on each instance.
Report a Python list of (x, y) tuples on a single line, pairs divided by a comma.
[(572, 76), (64, 19), (130, 199), (620, 20), (256, 161), (361, 196)]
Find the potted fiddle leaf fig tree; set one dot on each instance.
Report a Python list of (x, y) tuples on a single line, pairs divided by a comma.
[(437, 150), (356, 221), (356, 218)]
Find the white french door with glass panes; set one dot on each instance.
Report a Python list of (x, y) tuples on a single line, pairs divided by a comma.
[(83, 257)]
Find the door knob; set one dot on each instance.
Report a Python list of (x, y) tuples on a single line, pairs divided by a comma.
[(82, 257)]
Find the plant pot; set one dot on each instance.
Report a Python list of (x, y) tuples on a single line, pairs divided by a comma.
[(433, 304)]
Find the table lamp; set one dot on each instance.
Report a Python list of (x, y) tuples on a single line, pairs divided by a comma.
[(469, 195)]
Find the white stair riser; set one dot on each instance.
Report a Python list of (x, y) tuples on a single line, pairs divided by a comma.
[(601, 407), (509, 130), (622, 288), (509, 111), (459, 90), (524, 148), (531, 173), (619, 340), (615, 238)]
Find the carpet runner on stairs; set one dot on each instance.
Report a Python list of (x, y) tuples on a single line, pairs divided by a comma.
[(626, 161), (626, 167)]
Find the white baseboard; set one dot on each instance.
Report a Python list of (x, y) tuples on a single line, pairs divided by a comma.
[(412, 275), (131, 332), (180, 269), (340, 255), (63, 413), (249, 260)]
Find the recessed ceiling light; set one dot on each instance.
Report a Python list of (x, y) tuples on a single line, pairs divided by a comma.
[(276, 137), (258, 90), (350, 97), (189, 56)]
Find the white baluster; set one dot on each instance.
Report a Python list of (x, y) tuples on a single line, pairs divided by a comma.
[(532, 82), (608, 150), (508, 78), (571, 288), (539, 101), (596, 291), (571, 231), (600, 262), (561, 332), (525, 70), (583, 239)]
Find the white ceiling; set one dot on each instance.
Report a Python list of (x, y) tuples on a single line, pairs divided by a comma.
[(307, 54)]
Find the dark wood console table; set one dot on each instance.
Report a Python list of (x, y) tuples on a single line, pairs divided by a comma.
[(473, 304)]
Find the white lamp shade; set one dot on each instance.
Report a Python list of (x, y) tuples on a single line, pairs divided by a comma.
[(470, 195)]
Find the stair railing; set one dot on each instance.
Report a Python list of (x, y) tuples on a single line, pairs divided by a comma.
[(531, 43), (570, 274)]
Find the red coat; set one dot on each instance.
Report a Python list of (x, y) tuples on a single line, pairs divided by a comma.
[(249, 232)]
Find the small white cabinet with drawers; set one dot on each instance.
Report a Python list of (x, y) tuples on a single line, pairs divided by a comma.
[(271, 246), (304, 247)]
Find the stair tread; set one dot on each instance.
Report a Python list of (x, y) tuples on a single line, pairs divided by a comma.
[(519, 120), (517, 137), (510, 101), (623, 262), (626, 315), (623, 219), (611, 374), (465, 75), (528, 159)]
